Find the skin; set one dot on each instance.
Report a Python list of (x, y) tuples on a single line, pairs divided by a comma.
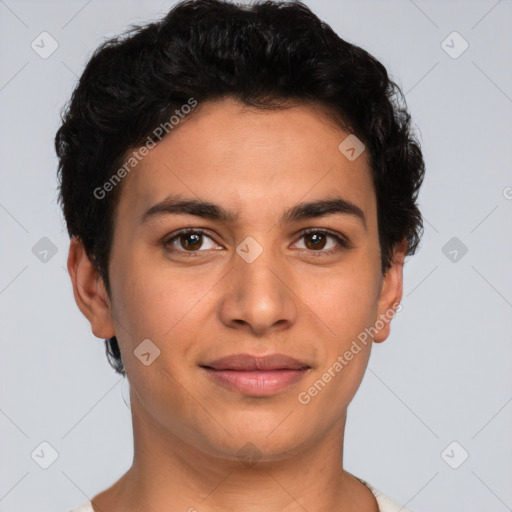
[(294, 299)]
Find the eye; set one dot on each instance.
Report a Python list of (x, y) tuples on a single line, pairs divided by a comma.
[(318, 241), (189, 240)]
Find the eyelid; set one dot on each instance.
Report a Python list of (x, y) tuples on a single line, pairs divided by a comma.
[(341, 239), (185, 231)]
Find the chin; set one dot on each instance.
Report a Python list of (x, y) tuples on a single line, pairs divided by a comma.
[(259, 439)]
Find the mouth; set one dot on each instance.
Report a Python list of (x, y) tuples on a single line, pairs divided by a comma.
[(256, 376)]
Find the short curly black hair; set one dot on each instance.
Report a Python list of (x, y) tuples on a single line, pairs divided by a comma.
[(266, 55)]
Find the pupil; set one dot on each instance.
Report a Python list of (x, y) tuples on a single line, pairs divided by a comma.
[(194, 243), (317, 240)]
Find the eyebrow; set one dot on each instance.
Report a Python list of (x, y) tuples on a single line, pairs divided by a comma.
[(177, 205)]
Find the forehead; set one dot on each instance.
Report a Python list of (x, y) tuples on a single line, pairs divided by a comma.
[(250, 160)]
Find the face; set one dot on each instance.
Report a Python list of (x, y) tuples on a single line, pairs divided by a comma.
[(283, 261)]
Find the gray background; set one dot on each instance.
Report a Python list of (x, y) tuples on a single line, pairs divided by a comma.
[(442, 376)]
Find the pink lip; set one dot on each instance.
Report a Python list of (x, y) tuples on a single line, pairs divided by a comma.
[(256, 376)]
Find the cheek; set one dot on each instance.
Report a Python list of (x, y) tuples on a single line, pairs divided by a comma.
[(168, 306), (345, 300), (346, 305), (152, 297)]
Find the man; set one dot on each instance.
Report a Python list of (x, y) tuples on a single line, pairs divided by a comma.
[(240, 188)]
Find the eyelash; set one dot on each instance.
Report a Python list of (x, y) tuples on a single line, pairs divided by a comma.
[(341, 240)]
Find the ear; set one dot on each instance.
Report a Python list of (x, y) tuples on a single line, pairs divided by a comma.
[(89, 290), (391, 293)]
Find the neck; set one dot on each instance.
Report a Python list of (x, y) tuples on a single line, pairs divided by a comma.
[(170, 474)]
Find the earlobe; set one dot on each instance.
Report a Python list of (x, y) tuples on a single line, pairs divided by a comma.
[(391, 293), (89, 290)]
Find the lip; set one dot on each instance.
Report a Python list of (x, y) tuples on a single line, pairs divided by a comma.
[(256, 375)]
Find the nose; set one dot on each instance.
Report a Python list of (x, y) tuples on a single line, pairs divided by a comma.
[(258, 296)]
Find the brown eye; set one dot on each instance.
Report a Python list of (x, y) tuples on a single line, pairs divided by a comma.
[(324, 242), (315, 241), (190, 241)]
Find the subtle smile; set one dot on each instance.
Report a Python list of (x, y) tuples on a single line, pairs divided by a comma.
[(256, 376)]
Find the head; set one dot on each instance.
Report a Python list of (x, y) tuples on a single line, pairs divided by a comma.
[(234, 123)]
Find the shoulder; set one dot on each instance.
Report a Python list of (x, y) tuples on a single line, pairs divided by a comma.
[(85, 507), (385, 503)]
